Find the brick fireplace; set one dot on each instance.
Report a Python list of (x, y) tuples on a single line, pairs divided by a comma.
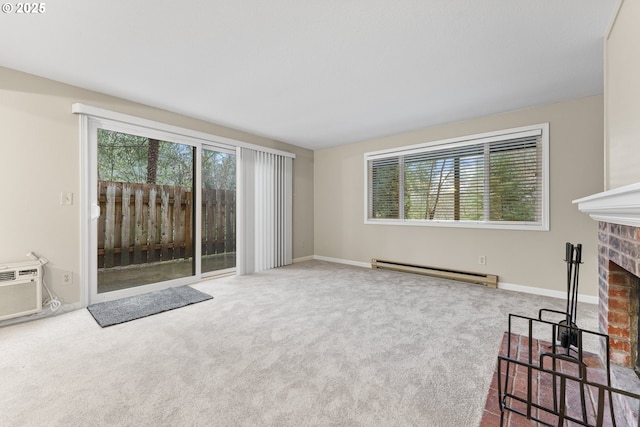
[(618, 268), (618, 214)]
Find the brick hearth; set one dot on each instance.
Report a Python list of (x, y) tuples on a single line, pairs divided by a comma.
[(542, 388)]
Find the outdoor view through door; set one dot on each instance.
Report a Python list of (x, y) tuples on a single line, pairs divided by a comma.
[(218, 210), (146, 229)]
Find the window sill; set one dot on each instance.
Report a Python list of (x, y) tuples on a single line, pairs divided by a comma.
[(461, 224)]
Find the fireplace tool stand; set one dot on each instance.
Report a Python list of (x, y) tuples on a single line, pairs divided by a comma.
[(567, 335), (559, 364), (563, 370)]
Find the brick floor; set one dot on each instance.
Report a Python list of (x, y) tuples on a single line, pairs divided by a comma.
[(541, 387)]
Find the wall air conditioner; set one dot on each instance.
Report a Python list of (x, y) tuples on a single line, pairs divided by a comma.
[(20, 289)]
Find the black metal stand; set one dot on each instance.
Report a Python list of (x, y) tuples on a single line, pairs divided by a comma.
[(565, 365), (556, 357)]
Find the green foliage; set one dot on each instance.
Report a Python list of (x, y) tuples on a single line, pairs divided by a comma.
[(218, 170), (453, 186), (122, 157), (425, 182), (513, 191), (386, 188), (125, 158)]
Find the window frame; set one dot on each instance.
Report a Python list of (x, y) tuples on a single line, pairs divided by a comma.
[(444, 144)]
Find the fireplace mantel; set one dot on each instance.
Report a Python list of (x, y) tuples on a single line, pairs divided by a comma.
[(619, 206)]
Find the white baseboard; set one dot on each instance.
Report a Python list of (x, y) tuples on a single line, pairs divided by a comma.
[(589, 299), (65, 308), (70, 307), (303, 259), (342, 261)]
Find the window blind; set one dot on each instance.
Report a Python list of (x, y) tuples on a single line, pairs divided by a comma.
[(264, 202), (493, 179)]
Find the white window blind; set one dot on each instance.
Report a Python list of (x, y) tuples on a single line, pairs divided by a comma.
[(497, 179), (264, 202)]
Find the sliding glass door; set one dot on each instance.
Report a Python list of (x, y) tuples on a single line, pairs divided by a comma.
[(145, 231), (218, 210), (159, 205), (162, 209)]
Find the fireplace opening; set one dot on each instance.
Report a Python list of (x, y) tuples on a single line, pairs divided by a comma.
[(634, 282), (634, 317), (636, 347), (623, 316)]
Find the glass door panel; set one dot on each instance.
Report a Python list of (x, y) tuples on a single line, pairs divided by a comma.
[(146, 225), (218, 223)]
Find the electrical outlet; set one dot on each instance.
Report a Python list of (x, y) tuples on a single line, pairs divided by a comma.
[(482, 260), (67, 277)]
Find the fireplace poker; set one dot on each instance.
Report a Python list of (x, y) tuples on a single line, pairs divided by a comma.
[(568, 259), (576, 272)]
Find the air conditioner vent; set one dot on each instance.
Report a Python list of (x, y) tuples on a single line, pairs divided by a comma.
[(5, 276), (30, 272)]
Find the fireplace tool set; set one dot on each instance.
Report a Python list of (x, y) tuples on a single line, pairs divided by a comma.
[(575, 397), (566, 330)]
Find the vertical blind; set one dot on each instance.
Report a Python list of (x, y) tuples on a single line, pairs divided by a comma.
[(264, 203), (497, 179)]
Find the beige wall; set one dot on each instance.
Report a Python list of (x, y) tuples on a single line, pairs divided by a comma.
[(622, 101), (529, 258), (40, 152)]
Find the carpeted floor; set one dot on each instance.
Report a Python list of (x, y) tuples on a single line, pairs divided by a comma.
[(309, 344)]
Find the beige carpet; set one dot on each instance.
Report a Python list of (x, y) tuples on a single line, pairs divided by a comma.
[(312, 344)]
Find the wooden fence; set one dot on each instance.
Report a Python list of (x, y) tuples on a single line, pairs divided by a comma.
[(144, 223)]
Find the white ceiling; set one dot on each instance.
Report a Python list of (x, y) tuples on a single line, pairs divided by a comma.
[(318, 73)]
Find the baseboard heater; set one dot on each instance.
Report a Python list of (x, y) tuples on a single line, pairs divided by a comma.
[(490, 280)]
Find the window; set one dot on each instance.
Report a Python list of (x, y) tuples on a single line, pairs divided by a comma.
[(497, 180)]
